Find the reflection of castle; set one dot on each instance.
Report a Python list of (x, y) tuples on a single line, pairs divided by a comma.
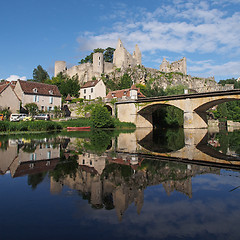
[(28, 158), (117, 182)]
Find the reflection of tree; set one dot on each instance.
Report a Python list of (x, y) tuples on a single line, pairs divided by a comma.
[(29, 147), (35, 179), (228, 140), (99, 141), (161, 140), (65, 168)]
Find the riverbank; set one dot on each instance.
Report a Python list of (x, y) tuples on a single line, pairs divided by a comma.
[(7, 127)]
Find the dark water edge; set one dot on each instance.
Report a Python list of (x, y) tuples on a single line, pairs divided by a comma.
[(94, 186)]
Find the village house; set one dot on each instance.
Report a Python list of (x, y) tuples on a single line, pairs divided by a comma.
[(93, 89), (8, 98), (132, 93), (46, 96)]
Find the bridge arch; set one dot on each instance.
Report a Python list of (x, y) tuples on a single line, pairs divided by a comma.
[(195, 115), (151, 113)]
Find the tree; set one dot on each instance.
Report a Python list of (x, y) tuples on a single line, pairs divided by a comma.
[(39, 74), (125, 82), (101, 117), (32, 108), (66, 85), (107, 55)]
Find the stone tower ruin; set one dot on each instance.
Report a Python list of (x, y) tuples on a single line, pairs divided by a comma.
[(123, 59), (178, 66), (60, 66)]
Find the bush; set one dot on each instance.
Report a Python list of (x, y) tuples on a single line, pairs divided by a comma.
[(3, 126), (101, 117)]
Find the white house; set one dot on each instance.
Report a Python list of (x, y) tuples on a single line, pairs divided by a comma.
[(93, 89)]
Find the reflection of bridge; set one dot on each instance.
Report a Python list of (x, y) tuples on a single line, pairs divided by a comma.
[(194, 107), (195, 150)]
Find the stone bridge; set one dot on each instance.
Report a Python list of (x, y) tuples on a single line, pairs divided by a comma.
[(195, 150), (194, 107)]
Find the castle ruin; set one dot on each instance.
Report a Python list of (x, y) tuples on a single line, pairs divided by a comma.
[(177, 66), (121, 59), (124, 62)]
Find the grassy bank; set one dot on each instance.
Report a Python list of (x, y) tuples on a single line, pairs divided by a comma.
[(41, 126), (84, 122), (31, 126)]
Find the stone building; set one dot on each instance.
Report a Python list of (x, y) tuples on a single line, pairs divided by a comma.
[(177, 66), (46, 96)]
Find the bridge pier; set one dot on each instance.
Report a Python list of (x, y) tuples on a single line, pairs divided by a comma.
[(193, 120)]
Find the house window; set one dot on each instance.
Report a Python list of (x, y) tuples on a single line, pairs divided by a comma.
[(51, 100), (90, 162), (49, 155), (84, 97), (33, 156), (89, 97), (84, 90), (91, 90), (35, 90), (49, 109), (83, 161), (51, 92), (35, 98), (42, 108)]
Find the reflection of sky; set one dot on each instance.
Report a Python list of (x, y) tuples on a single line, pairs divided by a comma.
[(212, 213)]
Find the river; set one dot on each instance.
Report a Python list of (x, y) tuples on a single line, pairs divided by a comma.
[(164, 184)]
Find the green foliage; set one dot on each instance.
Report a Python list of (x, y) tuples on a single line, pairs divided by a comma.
[(57, 111), (125, 82), (32, 108), (175, 90), (123, 125), (228, 110), (80, 122), (39, 74), (35, 179), (65, 84), (230, 81), (99, 141), (108, 54), (29, 126), (168, 116), (101, 117), (6, 113)]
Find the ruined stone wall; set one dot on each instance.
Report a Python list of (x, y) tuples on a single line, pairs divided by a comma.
[(177, 66)]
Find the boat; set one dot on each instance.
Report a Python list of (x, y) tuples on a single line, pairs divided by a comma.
[(78, 128)]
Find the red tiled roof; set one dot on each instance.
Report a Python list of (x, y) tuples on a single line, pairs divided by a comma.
[(3, 87), (90, 84), (68, 98), (42, 88), (124, 92)]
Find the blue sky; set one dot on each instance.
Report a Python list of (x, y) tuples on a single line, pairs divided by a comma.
[(34, 32)]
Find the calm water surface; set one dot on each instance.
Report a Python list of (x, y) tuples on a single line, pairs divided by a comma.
[(108, 185)]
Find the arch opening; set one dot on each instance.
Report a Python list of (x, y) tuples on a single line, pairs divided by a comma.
[(163, 115), (109, 109)]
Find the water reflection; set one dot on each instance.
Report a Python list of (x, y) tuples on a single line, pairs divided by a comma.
[(112, 171)]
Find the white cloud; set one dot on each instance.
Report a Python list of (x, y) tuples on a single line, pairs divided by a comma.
[(15, 78), (201, 30)]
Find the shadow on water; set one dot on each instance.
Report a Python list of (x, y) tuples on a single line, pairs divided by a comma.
[(164, 140)]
